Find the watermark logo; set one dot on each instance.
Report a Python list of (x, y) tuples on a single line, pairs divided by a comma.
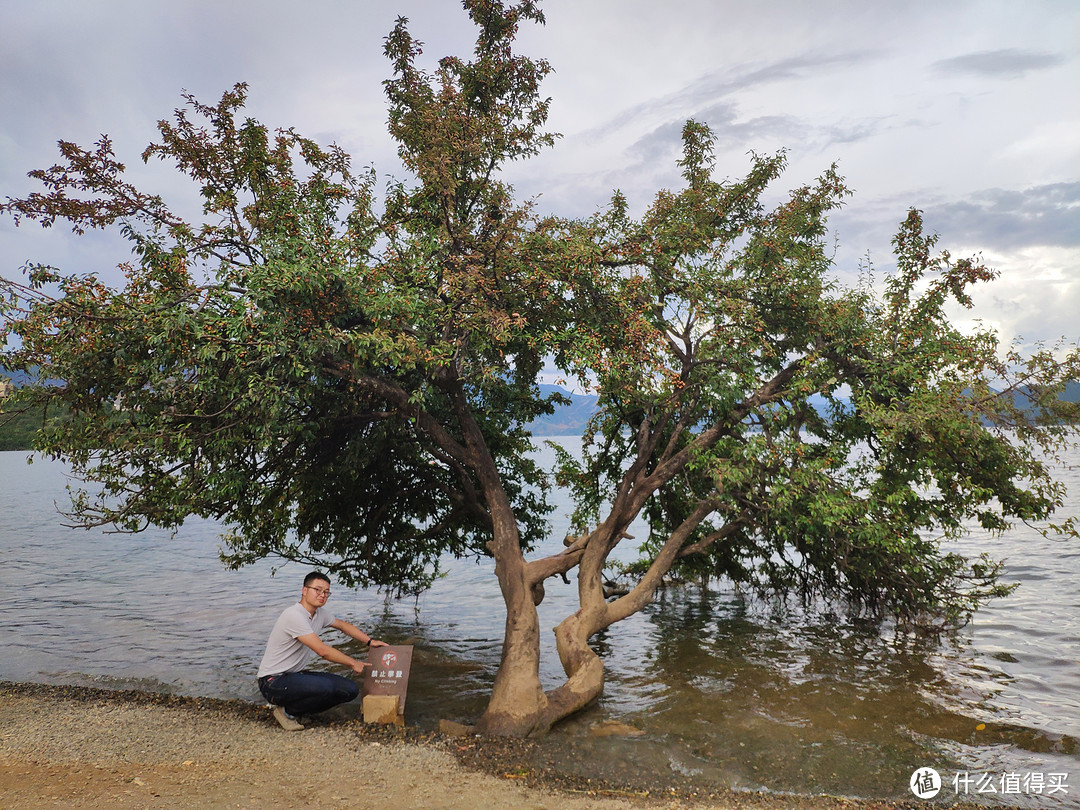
[(925, 783)]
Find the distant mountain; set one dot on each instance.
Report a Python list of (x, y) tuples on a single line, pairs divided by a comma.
[(18, 378), (567, 420), (570, 420), (1022, 400)]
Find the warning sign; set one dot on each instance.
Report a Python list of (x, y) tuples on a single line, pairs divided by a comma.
[(389, 672)]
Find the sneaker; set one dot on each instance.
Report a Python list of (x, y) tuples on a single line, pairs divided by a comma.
[(285, 721)]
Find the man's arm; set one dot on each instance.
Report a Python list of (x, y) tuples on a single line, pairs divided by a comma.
[(355, 632), (324, 650)]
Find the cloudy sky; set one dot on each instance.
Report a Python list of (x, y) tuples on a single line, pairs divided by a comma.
[(968, 109)]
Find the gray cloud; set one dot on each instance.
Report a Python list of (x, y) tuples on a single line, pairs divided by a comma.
[(801, 66), (1001, 220), (853, 132), (1004, 219), (707, 100), (1007, 63), (664, 143), (698, 98)]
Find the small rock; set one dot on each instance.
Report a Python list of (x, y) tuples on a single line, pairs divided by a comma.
[(452, 729), (613, 728)]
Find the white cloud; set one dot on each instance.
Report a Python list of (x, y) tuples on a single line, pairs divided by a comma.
[(1036, 298)]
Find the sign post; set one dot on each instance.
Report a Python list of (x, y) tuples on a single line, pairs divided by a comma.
[(386, 683)]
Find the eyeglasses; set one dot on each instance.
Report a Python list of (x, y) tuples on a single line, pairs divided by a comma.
[(320, 591)]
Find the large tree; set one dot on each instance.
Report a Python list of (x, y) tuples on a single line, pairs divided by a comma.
[(795, 436), (344, 377)]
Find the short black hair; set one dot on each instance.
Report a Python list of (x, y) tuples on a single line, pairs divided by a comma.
[(314, 575)]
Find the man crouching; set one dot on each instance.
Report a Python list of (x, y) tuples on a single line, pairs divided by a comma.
[(292, 690)]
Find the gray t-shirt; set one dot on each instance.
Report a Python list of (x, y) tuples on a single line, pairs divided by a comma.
[(283, 652)]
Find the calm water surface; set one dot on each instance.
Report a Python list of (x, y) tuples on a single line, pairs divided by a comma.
[(730, 691)]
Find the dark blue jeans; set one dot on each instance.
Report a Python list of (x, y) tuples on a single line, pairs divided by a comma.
[(307, 692)]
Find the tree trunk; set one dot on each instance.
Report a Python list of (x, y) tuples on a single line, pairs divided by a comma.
[(583, 667), (584, 670), (517, 698), (518, 706)]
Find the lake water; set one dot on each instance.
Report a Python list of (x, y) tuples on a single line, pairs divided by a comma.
[(730, 691)]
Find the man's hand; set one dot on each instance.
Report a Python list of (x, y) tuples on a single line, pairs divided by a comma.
[(376, 643), (358, 666)]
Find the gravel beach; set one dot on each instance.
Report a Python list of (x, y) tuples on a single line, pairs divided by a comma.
[(88, 748)]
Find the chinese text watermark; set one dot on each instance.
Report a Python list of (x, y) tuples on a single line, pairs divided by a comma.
[(926, 783)]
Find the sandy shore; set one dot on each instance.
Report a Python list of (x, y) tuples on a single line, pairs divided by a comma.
[(87, 748)]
